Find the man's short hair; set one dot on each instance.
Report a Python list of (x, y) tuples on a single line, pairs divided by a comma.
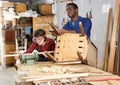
[(39, 32), (73, 5)]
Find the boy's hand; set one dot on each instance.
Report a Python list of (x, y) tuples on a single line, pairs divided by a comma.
[(17, 57)]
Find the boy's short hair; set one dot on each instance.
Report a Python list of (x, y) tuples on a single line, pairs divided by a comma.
[(39, 32), (73, 5)]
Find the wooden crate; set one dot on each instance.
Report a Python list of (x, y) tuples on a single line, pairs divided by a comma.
[(68, 44), (42, 22), (20, 7), (45, 9)]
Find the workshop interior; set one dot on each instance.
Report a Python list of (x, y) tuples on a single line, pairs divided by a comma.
[(77, 59)]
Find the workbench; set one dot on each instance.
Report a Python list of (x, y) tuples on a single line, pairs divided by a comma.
[(33, 73)]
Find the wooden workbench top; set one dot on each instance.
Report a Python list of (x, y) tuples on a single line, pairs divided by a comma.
[(91, 74)]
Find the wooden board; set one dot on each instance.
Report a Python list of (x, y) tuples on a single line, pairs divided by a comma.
[(113, 39), (105, 65)]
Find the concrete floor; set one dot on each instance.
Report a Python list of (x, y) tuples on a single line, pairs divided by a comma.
[(6, 76)]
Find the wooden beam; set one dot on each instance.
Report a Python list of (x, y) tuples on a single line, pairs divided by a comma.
[(113, 39), (105, 65)]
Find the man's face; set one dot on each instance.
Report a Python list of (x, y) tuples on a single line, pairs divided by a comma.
[(40, 40), (71, 11)]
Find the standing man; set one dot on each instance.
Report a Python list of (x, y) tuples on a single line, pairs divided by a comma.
[(72, 26)]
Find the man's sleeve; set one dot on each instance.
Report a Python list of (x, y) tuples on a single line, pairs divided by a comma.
[(66, 26), (87, 25)]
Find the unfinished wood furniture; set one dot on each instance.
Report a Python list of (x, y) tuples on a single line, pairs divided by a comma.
[(68, 45), (36, 74)]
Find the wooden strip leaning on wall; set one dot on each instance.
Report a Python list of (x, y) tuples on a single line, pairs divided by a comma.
[(105, 65), (113, 39)]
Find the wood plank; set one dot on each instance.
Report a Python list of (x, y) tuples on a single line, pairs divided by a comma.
[(50, 77), (113, 39), (113, 82), (105, 65)]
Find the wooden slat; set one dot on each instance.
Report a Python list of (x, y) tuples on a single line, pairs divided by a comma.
[(50, 77), (107, 41), (113, 39), (82, 29)]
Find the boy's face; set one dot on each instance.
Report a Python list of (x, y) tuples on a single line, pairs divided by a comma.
[(40, 40)]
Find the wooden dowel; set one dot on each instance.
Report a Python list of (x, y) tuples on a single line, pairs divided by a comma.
[(10, 55), (54, 28), (82, 29)]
